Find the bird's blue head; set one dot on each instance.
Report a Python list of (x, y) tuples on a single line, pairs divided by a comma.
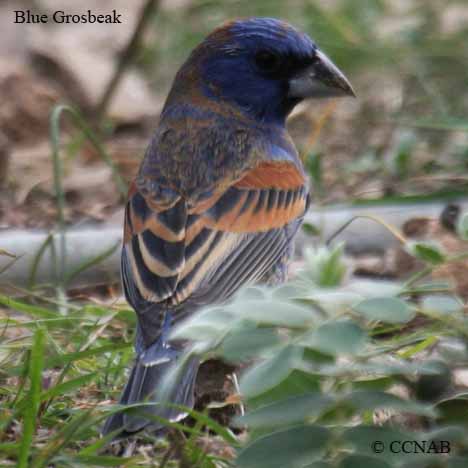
[(261, 66)]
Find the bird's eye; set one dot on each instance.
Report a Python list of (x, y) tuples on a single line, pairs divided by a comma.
[(267, 61)]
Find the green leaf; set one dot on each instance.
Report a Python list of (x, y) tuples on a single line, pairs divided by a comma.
[(451, 433), (298, 409), (381, 383), (316, 357), (274, 312), (431, 387), (295, 384), (289, 292), (36, 364), (211, 324), (333, 301), (363, 438), (252, 293), (377, 367), (199, 331), (429, 252), (431, 286), (457, 462), (311, 229), (368, 288), (385, 309), (368, 400), (292, 448), (269, 373), (243, 344), (325, 267), (453, 350), (340, 337), (441, 304), (318, 464), (360, 461), (454, 410)]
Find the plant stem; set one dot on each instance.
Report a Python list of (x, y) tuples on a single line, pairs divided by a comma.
[(126, 56)]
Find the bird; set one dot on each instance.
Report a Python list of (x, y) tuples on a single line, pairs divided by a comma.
[(219, 196)]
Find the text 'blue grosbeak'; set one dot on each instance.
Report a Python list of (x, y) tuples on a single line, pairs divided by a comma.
[(220, 193)]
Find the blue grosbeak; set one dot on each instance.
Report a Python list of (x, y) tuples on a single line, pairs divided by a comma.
[(220, 194)]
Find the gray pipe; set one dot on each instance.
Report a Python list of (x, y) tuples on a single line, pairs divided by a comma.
[(84, 245)]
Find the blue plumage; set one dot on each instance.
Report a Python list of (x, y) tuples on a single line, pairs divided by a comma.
[(231, 72)]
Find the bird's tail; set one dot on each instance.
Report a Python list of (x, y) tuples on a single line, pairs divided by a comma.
[(149, 370)]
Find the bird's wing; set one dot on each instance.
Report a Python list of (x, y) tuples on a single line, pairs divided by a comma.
[(182, 251)]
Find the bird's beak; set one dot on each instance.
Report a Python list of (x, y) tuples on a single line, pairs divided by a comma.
[(320, 80)]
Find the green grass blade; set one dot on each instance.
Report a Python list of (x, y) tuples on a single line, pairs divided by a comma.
[(94, 448), (77, 355), (54, 130), (36, 365), (37, 260), (97, 460), (90, 135), (60, 389), (444, 124), (32, 310), (62, 438), (68, 386), (90, 263)]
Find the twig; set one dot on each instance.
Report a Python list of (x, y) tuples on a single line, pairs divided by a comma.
[(237, 388), (127, 56), (396, 233)]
